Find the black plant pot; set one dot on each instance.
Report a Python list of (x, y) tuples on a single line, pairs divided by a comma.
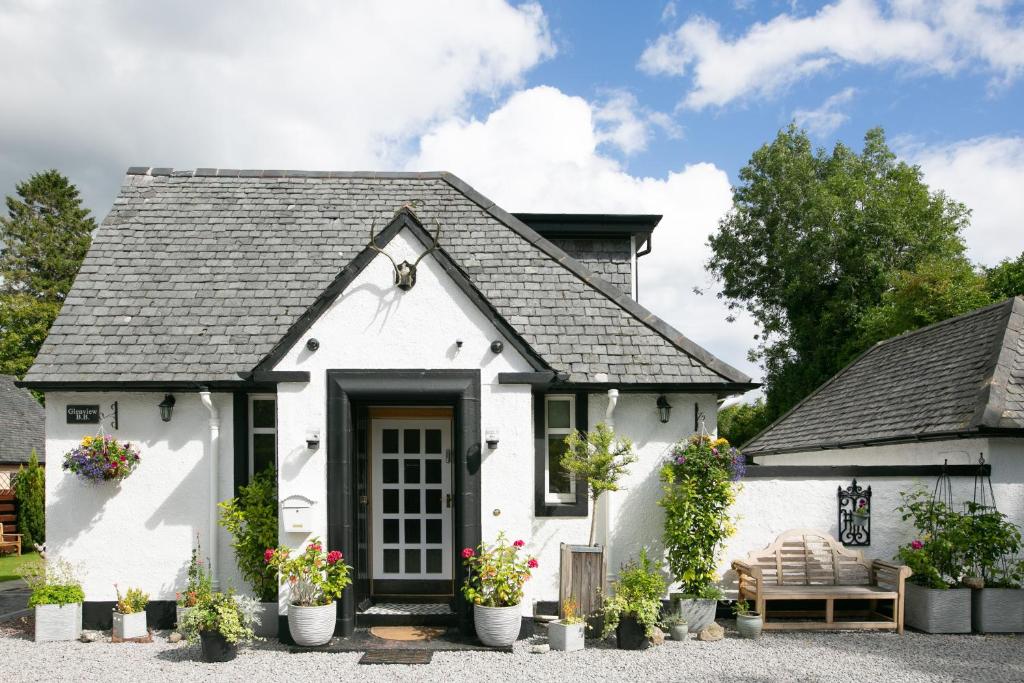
[(216, 648), (630, 635)]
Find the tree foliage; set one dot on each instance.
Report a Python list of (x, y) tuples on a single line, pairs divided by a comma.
[(600, 458), (252, 520), (740, 422), (1006, 279), (43, 240), (30, 494), (811, 243)]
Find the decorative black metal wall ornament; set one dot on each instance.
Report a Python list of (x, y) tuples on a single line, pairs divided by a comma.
[(854, 515)]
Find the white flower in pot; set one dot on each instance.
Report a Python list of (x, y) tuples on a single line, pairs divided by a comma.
[(494, 585), (219, 622), (315, 579), (130, 614)]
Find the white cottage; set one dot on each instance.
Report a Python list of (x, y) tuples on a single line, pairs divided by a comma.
[(408, 354)]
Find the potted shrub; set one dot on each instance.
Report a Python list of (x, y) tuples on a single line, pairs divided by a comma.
[(130, 614), (102, 458), (748, 623), (633, 609), (199, 586), (220, 621), (566, 634), (699, 481), (677, 627), (991, 544), (315, 579), (494, 585), (999, 607), (251, 518), (601, 459), (934, 603), (56, 598)]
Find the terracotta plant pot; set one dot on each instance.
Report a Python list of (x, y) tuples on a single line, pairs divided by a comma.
[(216, 648), (497, 626), (312, 626)]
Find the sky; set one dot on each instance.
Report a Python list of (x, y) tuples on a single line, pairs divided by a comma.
[(582, 106)]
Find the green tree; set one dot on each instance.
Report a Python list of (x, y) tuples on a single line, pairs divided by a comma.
[(601, 459), (30, 494), (43, 240), (251, 518), (939, 288), (740, 422), (811, 243), (1006, 279)]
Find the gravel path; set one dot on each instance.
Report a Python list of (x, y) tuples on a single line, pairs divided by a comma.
[(842, 657)]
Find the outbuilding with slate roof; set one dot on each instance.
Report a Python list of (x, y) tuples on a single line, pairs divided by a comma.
[(948, 397), (405, 355), (21, 426)]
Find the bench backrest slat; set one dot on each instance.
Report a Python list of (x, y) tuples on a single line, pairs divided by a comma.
[(810, 557)]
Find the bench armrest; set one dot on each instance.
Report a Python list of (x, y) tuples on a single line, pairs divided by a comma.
[(901, 572), (742, 567), (7, 536)]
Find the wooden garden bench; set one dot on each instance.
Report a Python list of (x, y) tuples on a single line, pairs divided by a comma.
[(804, 564), (9, 542)]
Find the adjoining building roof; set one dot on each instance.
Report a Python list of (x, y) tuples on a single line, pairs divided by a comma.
[(960, 377), (21, 424), (196, 275)]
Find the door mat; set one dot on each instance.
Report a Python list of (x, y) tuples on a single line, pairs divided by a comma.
[(396, 657), (407, 632)]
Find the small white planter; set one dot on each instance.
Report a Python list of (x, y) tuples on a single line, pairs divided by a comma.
[(130, 625), (267, 613), (179, 615), (497, 626), (565, 637), (312, 626), (58, 622)]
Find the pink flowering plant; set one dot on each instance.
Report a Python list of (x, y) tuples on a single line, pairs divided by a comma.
[(314, 578), (102, 458), (495, 574)]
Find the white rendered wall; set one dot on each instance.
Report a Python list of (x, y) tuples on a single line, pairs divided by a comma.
[(768, 506), (140, 532)]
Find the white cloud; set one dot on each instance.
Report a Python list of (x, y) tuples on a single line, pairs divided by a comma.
[(92, 88), (623, 123), (540, 151), (824, 120), (935, 37), (987, 175)]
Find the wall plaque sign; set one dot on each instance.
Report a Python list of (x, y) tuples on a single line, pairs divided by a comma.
[(83, 414)]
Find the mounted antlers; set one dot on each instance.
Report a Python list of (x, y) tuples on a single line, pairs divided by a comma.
[(405, 272)]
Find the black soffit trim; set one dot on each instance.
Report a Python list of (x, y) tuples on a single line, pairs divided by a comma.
[(888, 441), (830, 471), (551, 380), (254, 382), (274, 376), (402, 220)]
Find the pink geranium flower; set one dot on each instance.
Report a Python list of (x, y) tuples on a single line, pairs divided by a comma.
[(333, 556), (916, 545), (519, 543), (467, 553), (532, 564), (268, 554)]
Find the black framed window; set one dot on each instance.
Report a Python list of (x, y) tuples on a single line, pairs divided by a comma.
[(556, 492)]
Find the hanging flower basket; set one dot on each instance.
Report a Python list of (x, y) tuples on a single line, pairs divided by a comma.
[(102, 458)]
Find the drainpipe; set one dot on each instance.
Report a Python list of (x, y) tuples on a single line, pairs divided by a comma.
[(603, 509), (211, 542)]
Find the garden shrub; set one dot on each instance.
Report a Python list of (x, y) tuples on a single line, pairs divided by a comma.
[(252, 520), (30, 495)]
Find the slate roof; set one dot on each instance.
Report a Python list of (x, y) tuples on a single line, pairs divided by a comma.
[(195, 275), (962, 376), (21, 423)]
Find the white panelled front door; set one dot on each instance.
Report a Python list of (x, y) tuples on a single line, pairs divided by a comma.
[(411, 498)]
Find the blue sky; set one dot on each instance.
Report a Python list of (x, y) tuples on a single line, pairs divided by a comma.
[(639, 107)]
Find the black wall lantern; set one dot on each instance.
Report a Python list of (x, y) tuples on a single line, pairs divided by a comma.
[(166, 408), (664, 409)]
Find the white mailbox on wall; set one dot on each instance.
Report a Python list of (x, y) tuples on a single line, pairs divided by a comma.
[(297, 514)]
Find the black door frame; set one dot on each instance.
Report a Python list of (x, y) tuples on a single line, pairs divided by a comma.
[(459, 388)]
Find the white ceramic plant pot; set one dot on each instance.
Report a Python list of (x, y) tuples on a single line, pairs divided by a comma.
[(267, 626), (179, 615), (749, 625), (497, 626), (312, 626), (130, 625), (565, 637), (58, 622)]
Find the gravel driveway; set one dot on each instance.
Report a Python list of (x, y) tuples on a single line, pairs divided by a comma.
[(845, 657)]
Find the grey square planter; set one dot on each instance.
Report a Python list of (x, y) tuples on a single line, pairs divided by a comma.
[(130, 625), (565, 637), (58, 622), (934, 610), (997, 610)]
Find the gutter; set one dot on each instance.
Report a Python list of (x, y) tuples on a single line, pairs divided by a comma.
[(207, 400), (603, 508)]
